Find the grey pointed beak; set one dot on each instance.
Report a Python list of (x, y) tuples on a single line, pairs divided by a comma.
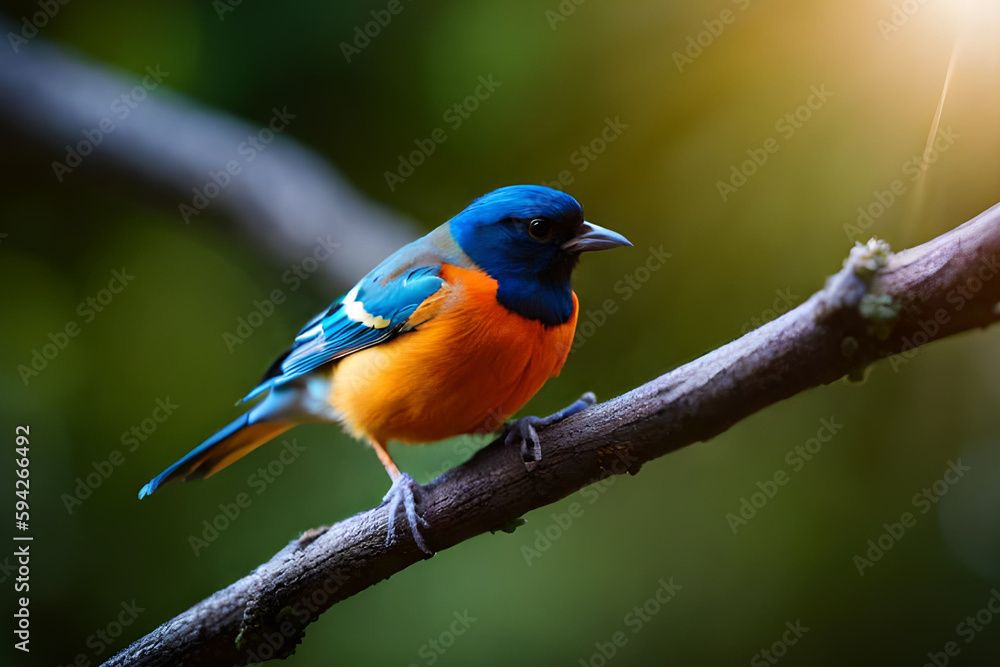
[(594, 237)]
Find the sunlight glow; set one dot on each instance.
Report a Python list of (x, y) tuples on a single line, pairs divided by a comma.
[(977, 10), (944, 95), (973, 26), (920, 200)]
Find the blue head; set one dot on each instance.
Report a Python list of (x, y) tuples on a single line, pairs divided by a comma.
[(529, 238)]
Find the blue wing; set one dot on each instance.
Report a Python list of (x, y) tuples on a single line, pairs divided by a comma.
[(374, 311)]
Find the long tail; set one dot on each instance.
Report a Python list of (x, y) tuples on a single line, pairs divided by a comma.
[(227, 446)]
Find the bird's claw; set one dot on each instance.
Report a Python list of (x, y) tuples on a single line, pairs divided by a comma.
[(524, 431), (406, 492)]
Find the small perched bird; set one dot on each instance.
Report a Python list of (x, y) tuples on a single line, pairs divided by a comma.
[(451, 334)]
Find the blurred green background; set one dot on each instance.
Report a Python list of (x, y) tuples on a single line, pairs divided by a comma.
[(688, 123)]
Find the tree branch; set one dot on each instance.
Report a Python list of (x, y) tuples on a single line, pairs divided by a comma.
[(878, 305), (285, 197)]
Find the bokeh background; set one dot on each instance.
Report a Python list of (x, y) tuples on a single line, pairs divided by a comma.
[(564, 69)]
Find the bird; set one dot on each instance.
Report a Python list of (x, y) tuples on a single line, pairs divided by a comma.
[(452, 334)]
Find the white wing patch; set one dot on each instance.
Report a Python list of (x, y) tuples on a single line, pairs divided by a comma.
[(355, 311)]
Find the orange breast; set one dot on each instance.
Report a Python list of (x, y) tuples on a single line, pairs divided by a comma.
[(468, 368)]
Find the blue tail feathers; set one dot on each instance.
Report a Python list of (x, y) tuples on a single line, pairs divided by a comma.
[(194, 457), (228, 445)]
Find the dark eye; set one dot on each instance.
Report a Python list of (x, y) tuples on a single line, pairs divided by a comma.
[(540, 229)]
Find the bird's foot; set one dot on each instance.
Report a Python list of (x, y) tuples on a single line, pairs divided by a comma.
[(524, 431), (406, 493)]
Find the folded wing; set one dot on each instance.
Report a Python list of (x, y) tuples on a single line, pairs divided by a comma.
[(373, 312)]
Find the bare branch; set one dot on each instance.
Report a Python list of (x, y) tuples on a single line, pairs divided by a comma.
[(285, 197), (878, 305)]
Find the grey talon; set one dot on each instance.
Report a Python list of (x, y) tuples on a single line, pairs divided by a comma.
[(405, 491), (524, 431)]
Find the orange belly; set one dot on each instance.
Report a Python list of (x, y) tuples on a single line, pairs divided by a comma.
[(467, 369)]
